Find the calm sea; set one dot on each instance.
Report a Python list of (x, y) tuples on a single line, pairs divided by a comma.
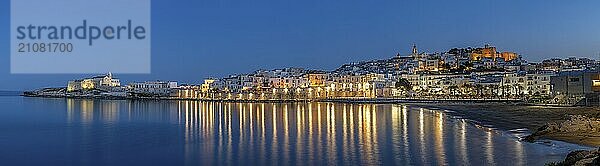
[(43, 131)]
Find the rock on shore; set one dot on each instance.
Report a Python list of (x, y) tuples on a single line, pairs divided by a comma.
[(576, 125), (580, 158), (579, 127)]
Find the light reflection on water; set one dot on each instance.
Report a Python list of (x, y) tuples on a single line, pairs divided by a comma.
[(192, 132)]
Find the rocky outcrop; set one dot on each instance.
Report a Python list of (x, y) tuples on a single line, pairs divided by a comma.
[(580, 158), (577, 125)]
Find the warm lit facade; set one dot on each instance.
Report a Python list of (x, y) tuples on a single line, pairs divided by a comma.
[(208, 84), (490, 52), (317, 79), (104, 82), (508, 56)]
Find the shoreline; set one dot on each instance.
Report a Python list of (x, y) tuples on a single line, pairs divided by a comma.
[(508, 117), (502, 114), (339, 100)]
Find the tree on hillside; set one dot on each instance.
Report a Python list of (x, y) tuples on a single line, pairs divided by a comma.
[(404, 84)]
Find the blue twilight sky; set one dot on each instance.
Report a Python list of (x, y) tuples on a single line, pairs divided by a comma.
[(194, 39)]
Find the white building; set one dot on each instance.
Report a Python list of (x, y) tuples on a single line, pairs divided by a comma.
[(538, 84), (103, 82), (160, 88), (527, 84)]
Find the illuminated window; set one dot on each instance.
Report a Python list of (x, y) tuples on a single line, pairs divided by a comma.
[(596, 83)]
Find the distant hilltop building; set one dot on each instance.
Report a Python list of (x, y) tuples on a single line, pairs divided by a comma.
[(569, 64), (490, 52), (102, 82), (415, 52)]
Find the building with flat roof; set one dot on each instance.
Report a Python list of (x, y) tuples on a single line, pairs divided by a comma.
[(575, 83)]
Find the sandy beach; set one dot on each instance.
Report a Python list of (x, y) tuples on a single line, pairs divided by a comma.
[(506, 116)]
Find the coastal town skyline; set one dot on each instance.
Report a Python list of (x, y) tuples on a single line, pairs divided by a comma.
[(471, 73), (410, 51)]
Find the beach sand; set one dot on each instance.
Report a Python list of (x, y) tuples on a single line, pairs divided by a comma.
[(506, 116)]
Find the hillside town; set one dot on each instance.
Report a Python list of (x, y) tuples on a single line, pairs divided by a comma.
[(482, 73)]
